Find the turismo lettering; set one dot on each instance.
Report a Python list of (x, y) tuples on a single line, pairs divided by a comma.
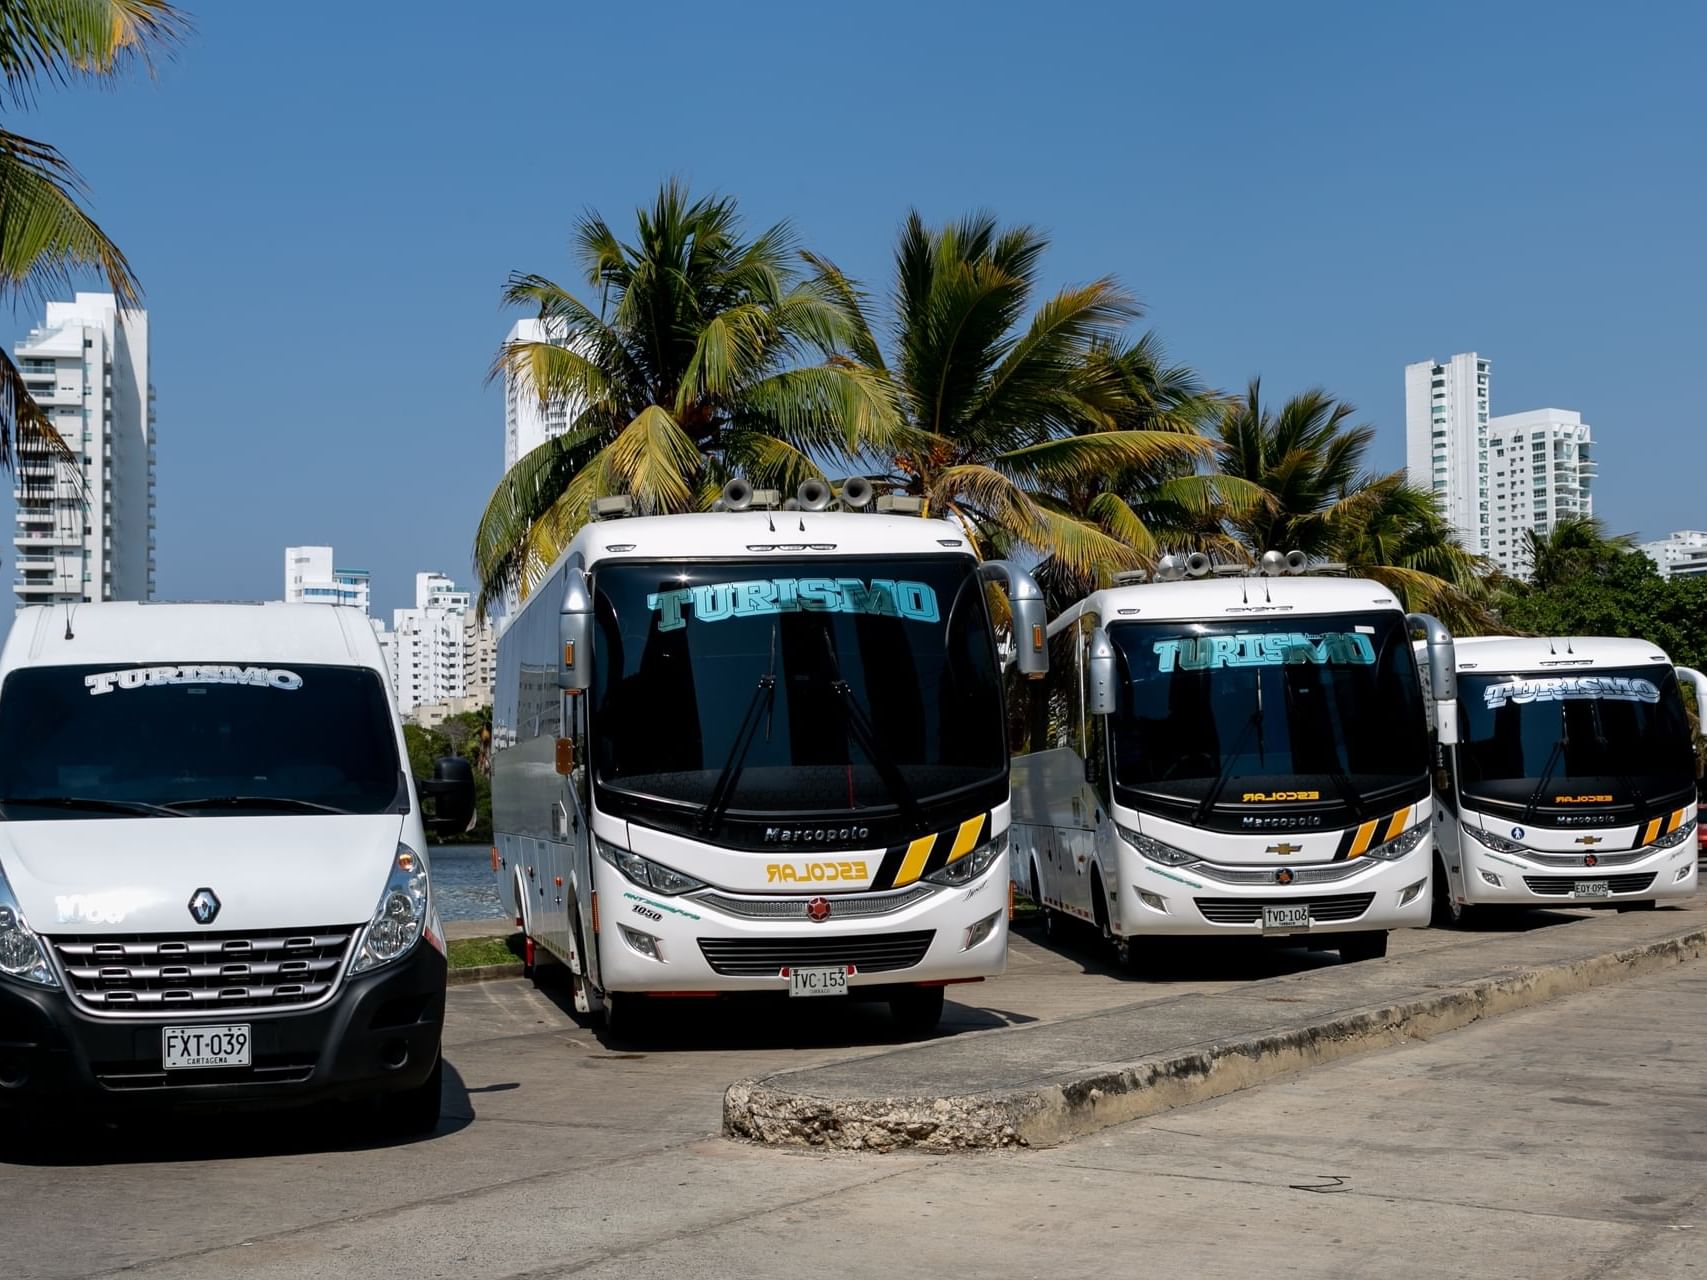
[(1571, 689), (760, 597), (1264, 649), (144, 677)]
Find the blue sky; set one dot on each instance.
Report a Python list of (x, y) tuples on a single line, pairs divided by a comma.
[(323, 201)]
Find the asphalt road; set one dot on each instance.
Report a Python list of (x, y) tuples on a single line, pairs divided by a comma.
[(1566, 1140)]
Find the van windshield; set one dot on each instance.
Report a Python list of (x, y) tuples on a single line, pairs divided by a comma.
[(172, 739)]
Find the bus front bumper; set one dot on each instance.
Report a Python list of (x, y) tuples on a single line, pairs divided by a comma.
[(1511, 879)]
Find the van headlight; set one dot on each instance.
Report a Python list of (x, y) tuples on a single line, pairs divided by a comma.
[(402, 916), (1399, 845), (23, 955), (968, 867), (1671, 839), (646, 873)]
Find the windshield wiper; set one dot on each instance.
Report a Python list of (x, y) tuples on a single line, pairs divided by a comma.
[(863, 731), (1605, 744), (1559, 745), (723, 793), (288, 804), (95, 804), (1229, 760)]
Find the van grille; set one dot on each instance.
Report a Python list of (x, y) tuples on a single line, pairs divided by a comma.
[(767, 957), (156, 974), (1328, 910), (1561, 886)]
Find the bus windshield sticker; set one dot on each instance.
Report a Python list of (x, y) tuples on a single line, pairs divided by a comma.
[(761, 597), (1264, 649), (142, 677), (1571, 688)]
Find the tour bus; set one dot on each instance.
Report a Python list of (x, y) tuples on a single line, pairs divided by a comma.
[(760, 748), (1236, 754), (1572, 781), (214, 879)]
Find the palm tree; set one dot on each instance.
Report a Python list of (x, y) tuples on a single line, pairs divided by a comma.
[(46, 234), (707, 355), (1390, 530), (1575, 546), (1017, 421)]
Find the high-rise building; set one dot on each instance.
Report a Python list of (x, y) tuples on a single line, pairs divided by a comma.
[(312, 578), (1446, 441), (1681, 555), (528, 423), (1542, 472), (441, 652), (88, 533)]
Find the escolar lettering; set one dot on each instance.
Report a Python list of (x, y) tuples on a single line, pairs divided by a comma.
[(789, 873), (146, 677)]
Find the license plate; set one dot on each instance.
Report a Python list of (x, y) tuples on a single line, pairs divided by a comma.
[(831, 981), (190, 1048), (1285, 919), (1591, 889)]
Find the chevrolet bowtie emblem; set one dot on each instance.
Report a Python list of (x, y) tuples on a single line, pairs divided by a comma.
[(1589, 839), (1285, 848)]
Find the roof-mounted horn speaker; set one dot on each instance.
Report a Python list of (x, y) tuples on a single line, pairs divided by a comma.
[(857, 493), (1197, 564), (1297, 562), (737, 495), (814, 495)]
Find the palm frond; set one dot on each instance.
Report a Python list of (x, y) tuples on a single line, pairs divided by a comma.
[(45, 233)]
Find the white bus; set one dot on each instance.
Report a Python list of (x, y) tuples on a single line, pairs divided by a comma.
[(1573, 780), (762, 749), (1235, 756)]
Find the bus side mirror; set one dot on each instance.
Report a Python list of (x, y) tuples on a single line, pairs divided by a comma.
[(575, 633), (450, 792), (1442, 674), (1100, 675), (1025, 599)]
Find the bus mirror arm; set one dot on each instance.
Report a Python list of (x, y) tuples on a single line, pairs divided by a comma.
[(1025, 599), (575, 633), (1442, 674), (1100, 675)]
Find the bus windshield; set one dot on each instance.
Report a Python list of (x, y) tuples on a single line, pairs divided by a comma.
[(1257, 723), (1548, 743), (112, 740), (852, 689)]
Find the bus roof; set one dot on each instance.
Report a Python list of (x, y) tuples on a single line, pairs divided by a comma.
[(1554, 653), (715, 535), (137, 632), (1212, 599)]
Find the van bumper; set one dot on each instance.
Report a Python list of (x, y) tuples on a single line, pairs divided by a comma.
[(379, 1034)]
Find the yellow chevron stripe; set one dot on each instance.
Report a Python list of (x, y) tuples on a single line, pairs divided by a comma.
[(1676, 821), (1396, 825), (1365, 837), (914, 862), (965, 838), (1652, 833)]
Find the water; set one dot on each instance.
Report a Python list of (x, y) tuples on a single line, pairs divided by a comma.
[(463, 883)]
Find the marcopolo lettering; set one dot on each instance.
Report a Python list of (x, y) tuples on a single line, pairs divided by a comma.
[(1264, 649), (789, 873), (815, 835), (762, 597), (1571, 689), (147, 677)]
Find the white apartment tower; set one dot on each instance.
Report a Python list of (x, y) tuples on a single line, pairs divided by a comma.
[(312, 578), (1446, 442), (441, 652), (1542, 472), (1680, 555), (527, 423), (88, 536)]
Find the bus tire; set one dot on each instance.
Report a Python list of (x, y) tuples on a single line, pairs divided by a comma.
[(527, 943), (1448, 912), (625, 1014), (1354, 947), (1099, 917), (916, 1011), (1050, 924)]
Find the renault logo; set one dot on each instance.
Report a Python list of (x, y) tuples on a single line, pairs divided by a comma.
[(204, 906), (1284, 848)]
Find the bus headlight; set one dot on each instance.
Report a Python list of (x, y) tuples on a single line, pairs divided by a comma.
[(1671, 839), (1399, 845), (1155, 850), (1499, 844), (965, 870), (22, 954), (402, 915), (646, 873)]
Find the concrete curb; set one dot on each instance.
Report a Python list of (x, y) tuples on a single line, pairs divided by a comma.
[(483, 973), (1056, 1109)]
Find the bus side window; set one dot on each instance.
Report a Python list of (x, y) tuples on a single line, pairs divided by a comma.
[(1444, 791), (1092, 732)]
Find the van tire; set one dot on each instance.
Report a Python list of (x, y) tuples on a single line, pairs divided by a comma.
[(1355, 947), (415, 1113), (917, 1011)]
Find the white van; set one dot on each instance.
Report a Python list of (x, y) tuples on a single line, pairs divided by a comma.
[(214, 885)]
